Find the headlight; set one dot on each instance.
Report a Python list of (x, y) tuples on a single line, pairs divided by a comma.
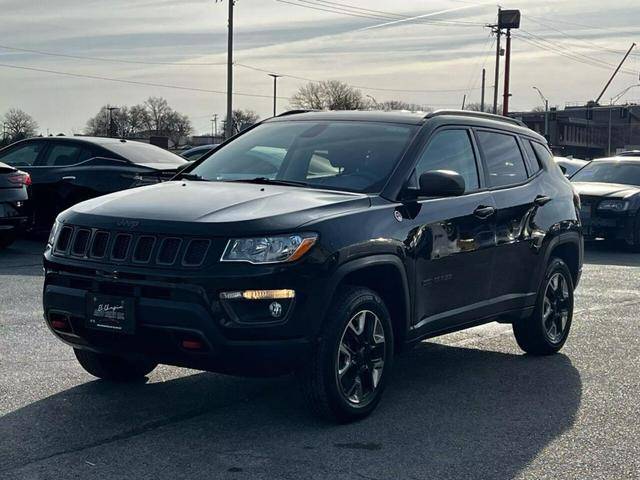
[(613, 205), (276, 249), (54, 232)]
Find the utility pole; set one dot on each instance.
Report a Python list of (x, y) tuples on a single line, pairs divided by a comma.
[(275, 90), (464, 100), (507, 68), (615, 72), (229, 124), (484, 74), (546, 112), (214, 121), (496, 81)]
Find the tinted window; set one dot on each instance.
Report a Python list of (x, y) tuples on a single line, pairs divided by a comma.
[(63, 154), (22, 156), (343, 155), (533, 162), (138, 152), (505, 165), (451, 150), (626, 173), (542, 152)]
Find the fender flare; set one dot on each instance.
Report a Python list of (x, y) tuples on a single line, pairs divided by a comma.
[(561, 239), (352, 266)]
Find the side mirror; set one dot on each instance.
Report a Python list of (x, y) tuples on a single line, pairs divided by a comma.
[(441, 183)]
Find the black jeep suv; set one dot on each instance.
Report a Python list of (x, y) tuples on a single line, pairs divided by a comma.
[(322, 243)]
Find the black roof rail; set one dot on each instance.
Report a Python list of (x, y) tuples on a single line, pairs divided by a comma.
[(293, 112), (470, 113)]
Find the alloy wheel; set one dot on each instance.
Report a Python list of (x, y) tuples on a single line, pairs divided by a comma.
[(361, 357), (555, 309)]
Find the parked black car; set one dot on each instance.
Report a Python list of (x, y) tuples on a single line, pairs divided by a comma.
[(322, 243), (14, 194), (196, 152), (68, 170), (609, 191)]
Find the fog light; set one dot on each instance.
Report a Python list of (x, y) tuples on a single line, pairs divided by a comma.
[(275, 309), (259, 295)]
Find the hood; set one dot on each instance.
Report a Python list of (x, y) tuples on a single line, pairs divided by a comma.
[(611, 190), (225, 207), (162, 166)]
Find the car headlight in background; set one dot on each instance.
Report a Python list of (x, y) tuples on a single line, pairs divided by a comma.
[(54, 232), (273, 249), (613, 205)]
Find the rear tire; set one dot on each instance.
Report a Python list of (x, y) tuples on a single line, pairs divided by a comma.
[(115, 369), (7, 238), (352, 361), (547, 329)]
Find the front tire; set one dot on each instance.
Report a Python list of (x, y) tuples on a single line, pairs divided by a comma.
[(115, 369), (547, 329), (352, 362)]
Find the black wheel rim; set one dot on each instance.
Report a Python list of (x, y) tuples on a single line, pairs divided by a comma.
[(556, 307), (360, 359)]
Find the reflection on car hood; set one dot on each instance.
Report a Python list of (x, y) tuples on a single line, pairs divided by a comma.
[(232, 206), (613, 190)]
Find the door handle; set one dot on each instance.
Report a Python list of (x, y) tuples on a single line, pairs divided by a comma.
[(69, 178), (483, 212), (542, 200)]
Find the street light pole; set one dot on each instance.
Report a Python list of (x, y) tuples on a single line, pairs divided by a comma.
[(229, 124), (275, 90), (546, 112)]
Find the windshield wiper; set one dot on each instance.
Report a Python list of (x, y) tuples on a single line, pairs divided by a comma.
[(271, 181)]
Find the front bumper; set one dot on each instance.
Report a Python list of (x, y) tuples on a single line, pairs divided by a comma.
[(611, 225), (170, 308)]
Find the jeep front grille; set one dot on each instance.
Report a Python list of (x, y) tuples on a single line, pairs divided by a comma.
[(130, 248)]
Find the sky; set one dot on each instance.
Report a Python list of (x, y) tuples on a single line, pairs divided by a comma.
[(567, 49)]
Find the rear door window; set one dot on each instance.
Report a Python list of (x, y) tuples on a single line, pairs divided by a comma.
[(503, 158), (61, 154)]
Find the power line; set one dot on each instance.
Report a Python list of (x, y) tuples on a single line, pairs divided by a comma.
[(109, 60), (134, 82), (390, 17), (362, 87)]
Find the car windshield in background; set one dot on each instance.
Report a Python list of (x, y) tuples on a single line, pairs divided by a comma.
[(626, 173), (139, 152), (339, 155)]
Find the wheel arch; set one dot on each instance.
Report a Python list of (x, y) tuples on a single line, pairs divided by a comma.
[(386, 275), (567, 246)]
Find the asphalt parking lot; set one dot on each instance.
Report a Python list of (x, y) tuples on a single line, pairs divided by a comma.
[(468, 405)]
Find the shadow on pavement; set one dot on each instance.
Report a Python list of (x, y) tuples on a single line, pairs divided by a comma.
[(602, 252), (450, 412), (24, 257)]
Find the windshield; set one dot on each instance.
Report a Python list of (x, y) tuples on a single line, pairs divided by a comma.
[(138, 152), (352, 156), (626, 173)]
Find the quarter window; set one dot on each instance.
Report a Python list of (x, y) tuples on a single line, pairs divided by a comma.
[(451, 150), (505, 165), (533, 163)]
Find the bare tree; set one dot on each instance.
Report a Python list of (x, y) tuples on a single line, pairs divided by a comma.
[(391, 105), (329, 95), (475, 107), (154, 116), (19, 124), (242, 119)]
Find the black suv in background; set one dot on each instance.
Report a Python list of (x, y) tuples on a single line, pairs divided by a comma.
[(322, 243)]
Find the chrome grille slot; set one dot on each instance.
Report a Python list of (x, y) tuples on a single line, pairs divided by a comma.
[(196, 252), (64, 238), (99, 244), (168, 250), (120, 247), (80, 242), (143, 249)]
